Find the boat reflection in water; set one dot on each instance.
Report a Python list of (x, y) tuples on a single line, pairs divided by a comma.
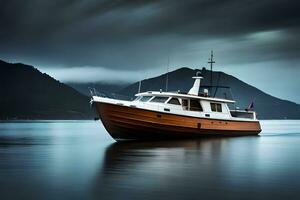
[(207, 168)]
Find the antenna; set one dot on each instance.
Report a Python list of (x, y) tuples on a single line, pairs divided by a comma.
[(167, 75), (140, 84), (211, 62)]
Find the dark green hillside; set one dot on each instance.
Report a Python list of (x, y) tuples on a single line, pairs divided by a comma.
[(26, 93)]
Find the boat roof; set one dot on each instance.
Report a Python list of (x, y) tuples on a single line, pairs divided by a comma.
[(179, 95)]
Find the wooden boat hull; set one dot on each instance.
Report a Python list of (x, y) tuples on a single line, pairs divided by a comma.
[(123, 122)]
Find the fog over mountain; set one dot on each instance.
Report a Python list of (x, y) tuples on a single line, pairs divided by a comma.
[(88, 41)]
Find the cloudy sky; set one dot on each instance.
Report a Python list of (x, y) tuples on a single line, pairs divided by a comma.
[(93, 40)]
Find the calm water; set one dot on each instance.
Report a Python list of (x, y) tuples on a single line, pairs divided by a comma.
[(78, 160)]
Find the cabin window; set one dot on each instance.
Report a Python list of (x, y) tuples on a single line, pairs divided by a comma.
[(195, 105), (159, 99), (138, 98), (174, 101), (185, 104), (145, 98), (216, 107)]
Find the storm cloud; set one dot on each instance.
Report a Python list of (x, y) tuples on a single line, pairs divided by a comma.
[(139, 35)]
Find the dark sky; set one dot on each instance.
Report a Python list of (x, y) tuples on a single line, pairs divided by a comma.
[(93, 40)]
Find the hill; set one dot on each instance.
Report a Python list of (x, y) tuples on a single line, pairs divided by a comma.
[(267, 106), (26, 93)]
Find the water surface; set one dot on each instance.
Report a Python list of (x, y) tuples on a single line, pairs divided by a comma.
[(78, 160)]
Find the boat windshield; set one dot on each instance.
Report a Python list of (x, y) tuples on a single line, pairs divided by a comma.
[(159, 99), (145, 98), (137, 98)]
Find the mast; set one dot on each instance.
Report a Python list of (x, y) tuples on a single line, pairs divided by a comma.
[(211, 62), (140, 84), (167, 75)]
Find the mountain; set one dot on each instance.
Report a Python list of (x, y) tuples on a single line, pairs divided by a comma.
[(26, 93), (267, 106)]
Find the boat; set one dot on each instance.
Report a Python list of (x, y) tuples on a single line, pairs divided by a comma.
[(154, 115)]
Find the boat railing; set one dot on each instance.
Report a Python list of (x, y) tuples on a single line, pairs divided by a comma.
[(95, 92), (243, 114), (106, 94)]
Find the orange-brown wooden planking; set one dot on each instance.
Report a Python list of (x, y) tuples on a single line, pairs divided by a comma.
[(123, 122)]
